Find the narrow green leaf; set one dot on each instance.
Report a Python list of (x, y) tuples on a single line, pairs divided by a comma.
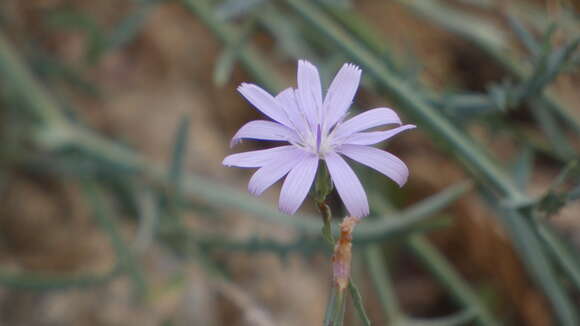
[(230, 9), (339, 310), (553, 131), (14, 73), (227, 59), (357, 301), (538, 266), (380, 277), (179, 153), (224, 67), (373, 229), (148, 213), (523, 167), (329, 307), (562, 252), (522, 32), (288, 34)]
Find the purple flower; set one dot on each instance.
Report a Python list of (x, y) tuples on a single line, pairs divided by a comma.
[(315, 129)]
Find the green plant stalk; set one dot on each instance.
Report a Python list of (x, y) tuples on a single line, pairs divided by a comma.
[(553, 132), (20, 79), (322, 188), (334, 315), (561, 252), (357, 302), (533, 255), (326, 214), (338, 318)]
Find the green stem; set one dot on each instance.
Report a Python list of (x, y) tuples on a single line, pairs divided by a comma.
[(565, 255), (327, 220), (335, 308), (540, 268), (35, 100), (357, 302)]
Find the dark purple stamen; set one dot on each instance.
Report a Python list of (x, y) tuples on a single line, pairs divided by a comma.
[(318, 136)]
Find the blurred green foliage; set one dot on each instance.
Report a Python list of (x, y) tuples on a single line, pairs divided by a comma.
[(328, 32)]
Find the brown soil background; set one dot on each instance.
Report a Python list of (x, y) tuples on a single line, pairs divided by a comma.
[(166, 72)]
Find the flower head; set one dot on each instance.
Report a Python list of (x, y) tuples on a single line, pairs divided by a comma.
[(315, 129)]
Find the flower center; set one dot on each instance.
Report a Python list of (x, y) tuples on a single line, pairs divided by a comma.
[(317, 142)]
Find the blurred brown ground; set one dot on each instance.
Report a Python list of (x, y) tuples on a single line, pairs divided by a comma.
[(167, 72)]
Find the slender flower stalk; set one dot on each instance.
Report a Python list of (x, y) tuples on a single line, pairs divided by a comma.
[(316, 129)]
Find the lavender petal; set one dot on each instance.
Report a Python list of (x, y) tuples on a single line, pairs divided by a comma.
[(348, 185), (256, 159), (341, 94), (373, 137), (264, 102), (265, 130), (297, 184), (384, 162), (366, 120), (267, 175), (287, 99), (309, 92)]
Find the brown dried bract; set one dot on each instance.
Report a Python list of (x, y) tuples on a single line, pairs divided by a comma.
[(343, 253)]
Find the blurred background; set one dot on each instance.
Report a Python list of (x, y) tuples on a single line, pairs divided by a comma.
[(115, 117)]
